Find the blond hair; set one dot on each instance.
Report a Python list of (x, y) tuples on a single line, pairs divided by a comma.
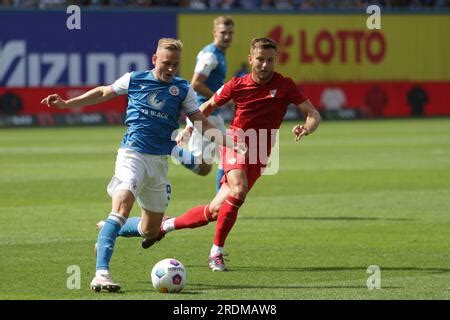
[(263, 43), (170, 44), (225, 20)]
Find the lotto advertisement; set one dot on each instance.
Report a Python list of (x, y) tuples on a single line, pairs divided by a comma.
[(347, 69)]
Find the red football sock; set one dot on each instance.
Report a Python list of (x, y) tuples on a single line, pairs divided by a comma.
[(225, 221), (194, 218)]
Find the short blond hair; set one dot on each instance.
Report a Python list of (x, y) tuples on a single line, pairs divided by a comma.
[(225, 20), (170, 44), (264, 43)]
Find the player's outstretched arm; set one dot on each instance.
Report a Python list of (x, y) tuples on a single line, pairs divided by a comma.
[(94, 96), (208, 107), (311, 123)]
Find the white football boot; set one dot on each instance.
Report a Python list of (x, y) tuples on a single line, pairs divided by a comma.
[(104, 282), (216, 263)]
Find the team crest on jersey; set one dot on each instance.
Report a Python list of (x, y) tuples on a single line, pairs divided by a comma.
[(272, 93), (173, 90), (154, 101)]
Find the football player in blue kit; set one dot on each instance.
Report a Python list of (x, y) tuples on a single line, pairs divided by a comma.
[(155, 100), (209, 75)]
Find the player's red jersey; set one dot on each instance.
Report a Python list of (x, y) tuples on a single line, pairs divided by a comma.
[(259, 106)]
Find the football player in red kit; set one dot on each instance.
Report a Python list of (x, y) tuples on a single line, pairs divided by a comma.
[(261, 99)]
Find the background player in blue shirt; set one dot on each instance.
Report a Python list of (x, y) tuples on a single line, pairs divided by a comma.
[(155, 100), (209, 76)]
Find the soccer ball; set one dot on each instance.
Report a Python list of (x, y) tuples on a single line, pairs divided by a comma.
[(169, 276)]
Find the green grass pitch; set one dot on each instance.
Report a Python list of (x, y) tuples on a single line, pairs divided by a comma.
[(354, 194)]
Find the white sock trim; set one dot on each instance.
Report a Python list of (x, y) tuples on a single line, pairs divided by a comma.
[(231, 204), (215, 250), (117, 217), (139, 228), (169, 225), (204, 214), (99, 273)]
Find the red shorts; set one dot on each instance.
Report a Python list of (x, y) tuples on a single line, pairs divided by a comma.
[(232, 160)]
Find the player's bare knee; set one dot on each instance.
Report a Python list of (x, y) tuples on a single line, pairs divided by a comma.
[(239, 191), (123, 202), (124, 209)]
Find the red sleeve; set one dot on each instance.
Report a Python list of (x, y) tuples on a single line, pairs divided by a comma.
[(224, 94), (294, 95)]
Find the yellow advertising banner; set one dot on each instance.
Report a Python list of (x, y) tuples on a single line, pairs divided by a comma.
[(331, 47)]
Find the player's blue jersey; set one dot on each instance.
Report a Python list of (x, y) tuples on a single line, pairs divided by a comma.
[(153, 112), (211, 62)]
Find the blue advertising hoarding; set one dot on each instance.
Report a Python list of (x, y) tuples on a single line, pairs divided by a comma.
[(37, 49)]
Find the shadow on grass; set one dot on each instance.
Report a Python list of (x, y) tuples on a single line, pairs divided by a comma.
[(325, 218), (324, 269), (196, 288), (183, 292), (338, 268)]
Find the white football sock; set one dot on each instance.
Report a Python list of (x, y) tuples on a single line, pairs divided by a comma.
[(169, 225), (215, 250), (101, 273)]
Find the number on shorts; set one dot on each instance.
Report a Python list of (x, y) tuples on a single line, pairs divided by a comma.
[(168, 191)]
